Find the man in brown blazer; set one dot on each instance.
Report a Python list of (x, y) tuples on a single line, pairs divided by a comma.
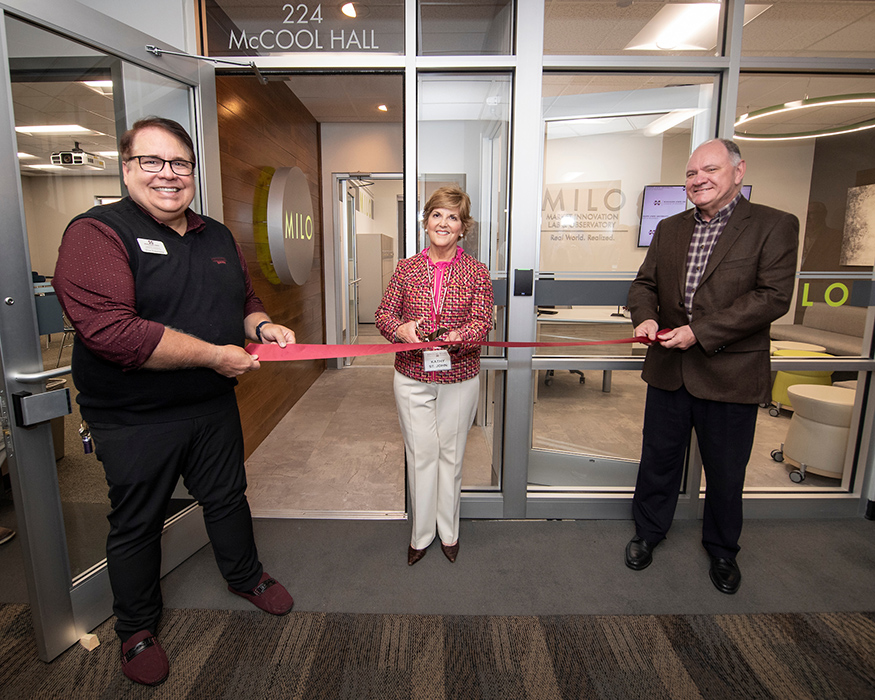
[(713, 280)]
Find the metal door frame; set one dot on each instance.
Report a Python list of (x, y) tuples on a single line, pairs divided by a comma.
[(64, 609), (339, 185)]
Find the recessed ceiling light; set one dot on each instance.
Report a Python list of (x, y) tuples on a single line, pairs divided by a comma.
[(671, 119), (383, 108), (349, 10), (101, 87), (686, 27), (22, 155), (45, 166), (54, 129), (107, 154)]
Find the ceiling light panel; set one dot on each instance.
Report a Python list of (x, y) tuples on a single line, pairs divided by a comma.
[(686, 27)]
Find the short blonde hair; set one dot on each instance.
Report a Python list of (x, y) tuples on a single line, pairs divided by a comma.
[(450, 198)]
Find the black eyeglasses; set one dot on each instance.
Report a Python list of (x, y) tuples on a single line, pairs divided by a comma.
[(154, 164)]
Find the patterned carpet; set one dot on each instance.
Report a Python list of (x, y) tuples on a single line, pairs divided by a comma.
[(223, 654)]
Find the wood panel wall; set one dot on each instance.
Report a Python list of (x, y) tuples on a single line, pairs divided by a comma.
[(266, 126)]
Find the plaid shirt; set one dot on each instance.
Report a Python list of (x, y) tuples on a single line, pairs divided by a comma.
[(705, 236), (467, 309)]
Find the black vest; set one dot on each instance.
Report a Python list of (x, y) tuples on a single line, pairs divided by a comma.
[(198, 288)]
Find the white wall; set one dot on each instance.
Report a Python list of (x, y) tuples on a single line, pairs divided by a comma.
[(451, 148), (370, 148), (49, 205), (630, 161), (780, 174), (363, 223), (386, 193), (373, 148)]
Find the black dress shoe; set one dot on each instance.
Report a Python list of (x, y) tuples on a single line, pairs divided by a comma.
[(725, 575), (414, 555), (639, 553)]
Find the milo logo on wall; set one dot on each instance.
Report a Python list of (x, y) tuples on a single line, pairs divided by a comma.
[(290, 225)]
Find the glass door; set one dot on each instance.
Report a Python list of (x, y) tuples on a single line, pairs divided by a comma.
[(468, 147), (615, 152), (350, 333), (609, 144), (70, 104)]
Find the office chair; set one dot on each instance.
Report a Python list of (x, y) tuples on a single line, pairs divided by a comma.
[(69, 332), (548, 377)]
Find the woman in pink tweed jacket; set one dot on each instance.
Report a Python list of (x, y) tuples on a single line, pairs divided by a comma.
[(443, 293)]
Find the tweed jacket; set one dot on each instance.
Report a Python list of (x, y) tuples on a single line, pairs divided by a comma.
[(747, 284), (467, 309)]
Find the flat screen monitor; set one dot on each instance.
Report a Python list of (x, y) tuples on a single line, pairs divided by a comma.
[(661, 201)]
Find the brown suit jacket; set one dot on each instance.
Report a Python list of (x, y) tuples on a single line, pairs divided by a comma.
[(747, 284)]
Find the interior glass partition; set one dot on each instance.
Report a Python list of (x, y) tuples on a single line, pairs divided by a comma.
[(462, 27), (783, 28), (608, 141), (836, 28), (788, 128), (637, 29), (464, 124)]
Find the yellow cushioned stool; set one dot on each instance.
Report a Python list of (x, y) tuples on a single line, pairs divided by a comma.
[(817, 438), (787, 378), (794, 345)]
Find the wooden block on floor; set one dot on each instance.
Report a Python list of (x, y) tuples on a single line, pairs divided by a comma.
[(89, 641)]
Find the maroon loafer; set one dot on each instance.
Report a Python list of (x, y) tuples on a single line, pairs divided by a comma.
[(268, 595), (143, 659)]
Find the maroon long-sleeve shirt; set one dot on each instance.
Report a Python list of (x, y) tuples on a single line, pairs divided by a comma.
[(95, 286)]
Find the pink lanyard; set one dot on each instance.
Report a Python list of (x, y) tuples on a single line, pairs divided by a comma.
[(438, 290)]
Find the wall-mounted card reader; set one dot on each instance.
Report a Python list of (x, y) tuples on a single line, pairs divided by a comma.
[(31, 409), (523, 283)]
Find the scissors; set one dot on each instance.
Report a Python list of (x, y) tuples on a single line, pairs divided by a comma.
[(435, 333)]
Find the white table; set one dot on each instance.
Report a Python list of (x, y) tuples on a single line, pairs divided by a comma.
[(588, 323)]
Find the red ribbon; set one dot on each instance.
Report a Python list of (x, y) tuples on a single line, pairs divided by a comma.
[(274, 353)]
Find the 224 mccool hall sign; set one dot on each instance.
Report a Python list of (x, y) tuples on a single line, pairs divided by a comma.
[(290, 225), (296, 27)]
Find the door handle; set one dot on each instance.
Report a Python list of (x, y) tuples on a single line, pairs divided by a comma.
[(37, 377)]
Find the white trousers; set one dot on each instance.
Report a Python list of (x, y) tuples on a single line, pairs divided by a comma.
[(435, 419)]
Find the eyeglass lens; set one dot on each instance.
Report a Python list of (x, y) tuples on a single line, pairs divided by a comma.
[(153, 164)]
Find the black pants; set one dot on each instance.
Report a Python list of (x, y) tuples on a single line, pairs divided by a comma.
[(725, 433), (143, 464)]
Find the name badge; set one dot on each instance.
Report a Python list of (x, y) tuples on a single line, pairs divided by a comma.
[(147, 245), (436, 360)]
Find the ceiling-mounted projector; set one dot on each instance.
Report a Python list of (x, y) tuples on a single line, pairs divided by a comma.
[(78, 158)]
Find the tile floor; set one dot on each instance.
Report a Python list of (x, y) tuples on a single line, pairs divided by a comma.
[(338, 452)]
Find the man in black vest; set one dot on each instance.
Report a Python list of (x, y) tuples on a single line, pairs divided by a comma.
[(162, 304)]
